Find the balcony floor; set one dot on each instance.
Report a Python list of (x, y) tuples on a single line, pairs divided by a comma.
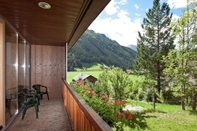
[(51, 117)]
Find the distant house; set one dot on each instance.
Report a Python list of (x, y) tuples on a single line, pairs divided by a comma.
[(83, 77)]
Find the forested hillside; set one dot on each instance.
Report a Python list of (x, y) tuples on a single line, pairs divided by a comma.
[(97, 48)]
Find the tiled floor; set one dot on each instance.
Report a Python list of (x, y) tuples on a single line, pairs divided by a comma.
[(52, 117)]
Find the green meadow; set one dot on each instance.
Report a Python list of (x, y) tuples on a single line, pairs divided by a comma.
[(166, 118), (72, 74)]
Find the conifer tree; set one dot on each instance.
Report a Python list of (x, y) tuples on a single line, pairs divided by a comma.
[(154, 42)]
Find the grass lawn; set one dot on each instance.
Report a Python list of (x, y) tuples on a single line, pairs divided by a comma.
[(166, 118), (90, 67)]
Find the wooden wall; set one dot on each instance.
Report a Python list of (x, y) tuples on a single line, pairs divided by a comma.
[(2, 72), (48, 68)]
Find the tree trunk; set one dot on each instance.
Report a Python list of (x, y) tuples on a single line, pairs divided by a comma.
[(182, 103), (194, 101), (153, 98), (158, 78), (182, 98)]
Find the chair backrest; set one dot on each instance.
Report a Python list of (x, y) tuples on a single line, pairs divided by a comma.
[(21, 97), (31, 100), (37, 88), (27, 98), (20, 88), (26, 91)]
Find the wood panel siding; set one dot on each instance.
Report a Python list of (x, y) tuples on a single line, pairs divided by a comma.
[(63, 23), (82, 116), (2, 73), (47, 67), (33, 22)]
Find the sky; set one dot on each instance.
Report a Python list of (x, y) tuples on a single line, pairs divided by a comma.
[(121, 19)]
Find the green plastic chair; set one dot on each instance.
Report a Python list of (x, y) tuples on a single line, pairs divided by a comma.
[(29, 100), (39, 91), (27, 91)]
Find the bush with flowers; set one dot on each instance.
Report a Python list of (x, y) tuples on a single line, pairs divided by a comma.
[(108, 96)]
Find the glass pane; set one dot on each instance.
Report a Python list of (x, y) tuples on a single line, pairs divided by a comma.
[(11, 74), (27, 65), (21, 66), (21, 63)]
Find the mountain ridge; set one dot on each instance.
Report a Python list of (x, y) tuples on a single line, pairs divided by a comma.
[(95, 47), (133, 47)]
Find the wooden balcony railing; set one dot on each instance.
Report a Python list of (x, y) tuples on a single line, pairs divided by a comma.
[(82, 116)]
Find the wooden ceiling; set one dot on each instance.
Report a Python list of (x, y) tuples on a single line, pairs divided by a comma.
[(64, 23)]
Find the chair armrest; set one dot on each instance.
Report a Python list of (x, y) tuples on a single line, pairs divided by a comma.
[(44, 87), (32, 91), (29, 95)]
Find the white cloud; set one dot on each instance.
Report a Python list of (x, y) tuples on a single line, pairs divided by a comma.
[(121, 28), (122, 2), (111, 8), (137, 14), (136, 6), (118, 25), (147, 9), (175, 17), (177, 3)]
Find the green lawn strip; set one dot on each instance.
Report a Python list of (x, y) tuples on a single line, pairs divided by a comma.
[(72, 74), (90, 67), (167, 118)]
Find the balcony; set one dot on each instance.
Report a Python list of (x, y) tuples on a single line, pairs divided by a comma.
[(67, 114), (33, 50), (51, 116)]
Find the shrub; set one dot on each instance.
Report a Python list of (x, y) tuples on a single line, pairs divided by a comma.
[(107, 96)]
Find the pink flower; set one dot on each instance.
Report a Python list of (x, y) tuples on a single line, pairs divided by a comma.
[(107, 104), (119, 113)]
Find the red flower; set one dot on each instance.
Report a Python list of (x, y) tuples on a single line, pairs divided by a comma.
[(107, 104), (119, 117), (90, 92), (130, 116), (104, 96), (123, 115)]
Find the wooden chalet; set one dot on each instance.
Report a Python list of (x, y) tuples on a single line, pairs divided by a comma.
[(83, 77)]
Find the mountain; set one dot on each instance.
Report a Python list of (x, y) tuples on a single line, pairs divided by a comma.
[(133, 47), (97, 48)]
